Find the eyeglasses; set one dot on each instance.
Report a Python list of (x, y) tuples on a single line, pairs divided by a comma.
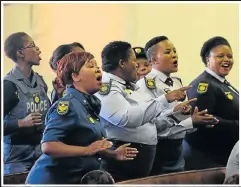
[(29, 46)]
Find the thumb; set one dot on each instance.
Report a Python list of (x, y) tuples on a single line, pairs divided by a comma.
[(195, 110), (126, 145)]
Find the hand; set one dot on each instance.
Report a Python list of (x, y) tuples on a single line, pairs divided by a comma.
[(59, 88), (177, 94), (126, 153), (30, 120), (203, 119), (185, 107), (97, 146)]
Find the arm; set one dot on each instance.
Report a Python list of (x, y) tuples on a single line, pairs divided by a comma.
[(118, 111), (10, 99), (57, 126)]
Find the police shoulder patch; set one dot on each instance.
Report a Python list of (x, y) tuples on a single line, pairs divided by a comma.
[(229, 95), (150, 83), (105, 88), (202, 87), (167, 90), (63, 107)]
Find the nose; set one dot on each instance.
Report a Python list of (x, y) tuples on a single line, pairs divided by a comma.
[(226, 58), (143, 69)]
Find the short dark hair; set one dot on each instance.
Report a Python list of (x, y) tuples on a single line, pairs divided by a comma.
[(151, 43), (77, 44), (113, 53), (97, 177), (210, 44), (13, 43), (71, 63)]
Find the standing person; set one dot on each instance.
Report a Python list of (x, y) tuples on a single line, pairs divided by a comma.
[(129, 115), (60, 52), (25, 105), (211, 147), (164, 60), (74, 139), (143, 65)]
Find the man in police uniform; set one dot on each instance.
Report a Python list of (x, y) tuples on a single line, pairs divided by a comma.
[(213, 92), (25, 105), (163, 57)]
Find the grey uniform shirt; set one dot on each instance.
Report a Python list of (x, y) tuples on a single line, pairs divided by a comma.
[(176, 130), (233, 162), (128, 115)]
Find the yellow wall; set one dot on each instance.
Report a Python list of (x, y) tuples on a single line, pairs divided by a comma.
[(94, 25)]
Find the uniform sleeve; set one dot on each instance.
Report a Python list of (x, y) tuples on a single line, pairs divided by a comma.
[(118, 111), (58, 126), (208, 101), (10, 99)]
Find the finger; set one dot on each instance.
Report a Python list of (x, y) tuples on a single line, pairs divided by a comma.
[(37, 120), (129, 158), (209, 126), (36, 114), (203, 112), (195, 110), (208, 118), (191, 100), (131, 155), (126, 145), (185, 88), (131, 149), (36, 124)]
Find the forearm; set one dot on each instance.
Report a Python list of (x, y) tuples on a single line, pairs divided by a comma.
[(59, 149)]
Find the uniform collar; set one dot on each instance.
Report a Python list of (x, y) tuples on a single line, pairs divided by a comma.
[(159, 75), (76, 93), (108, 76), (209, 71)]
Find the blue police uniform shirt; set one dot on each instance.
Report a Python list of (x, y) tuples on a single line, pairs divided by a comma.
[(80, 126)]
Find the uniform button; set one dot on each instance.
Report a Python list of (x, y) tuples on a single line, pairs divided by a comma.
[(84, 101), (99, 159)]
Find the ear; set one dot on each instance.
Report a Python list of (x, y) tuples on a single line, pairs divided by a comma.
[(19, 53), (207, 60), (76, 77), (121, 64)]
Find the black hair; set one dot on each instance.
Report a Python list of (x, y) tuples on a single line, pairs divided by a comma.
[(77, 44), (13, 43), (151, 43), (139, 52), (113, 53), (210, 44), (97, 177)]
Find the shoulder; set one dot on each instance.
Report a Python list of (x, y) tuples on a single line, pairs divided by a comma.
[(178, 79), (42, 82)]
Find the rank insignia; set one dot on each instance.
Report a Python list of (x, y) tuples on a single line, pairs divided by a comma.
[(202, 87), (36, 98), (128, 91), (104, 89), (229, 95), (63, 107), (64, 93), (137, 50), (167, 90), (150, 83)]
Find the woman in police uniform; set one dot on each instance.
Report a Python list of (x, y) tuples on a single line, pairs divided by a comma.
[(221, 99), (59, 53), (25, 105), (73, 141)]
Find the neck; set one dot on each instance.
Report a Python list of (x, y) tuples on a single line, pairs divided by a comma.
[(78, 87), (167, 74), (26, 69), (118, 73)]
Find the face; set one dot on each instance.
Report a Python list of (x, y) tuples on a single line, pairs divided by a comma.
[(220, 60), (89, 77), (143, 67), (30, 52), (165, 58), (129, 67)]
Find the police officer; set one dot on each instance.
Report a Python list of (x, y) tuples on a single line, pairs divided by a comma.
[(73, 141), (25, 105), (127, 113), (59, 52), (221, 99), (143, 65), (163, 57)]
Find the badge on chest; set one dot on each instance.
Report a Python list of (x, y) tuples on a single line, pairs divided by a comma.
[(229, 95), (36, 98)]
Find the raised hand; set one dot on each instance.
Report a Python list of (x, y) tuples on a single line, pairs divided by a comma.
[(177, 94), (124, 152)]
